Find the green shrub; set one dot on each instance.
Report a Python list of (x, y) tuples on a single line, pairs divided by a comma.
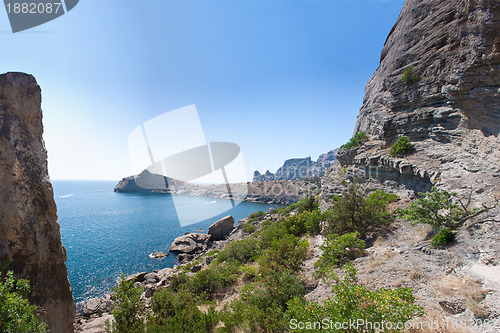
[(249, 228), (207, 281), (338, 250), (309, 204), (256, 216), (248, 272), (239, 252), (352, 302), (178, 280), (305, 222), (444, 236), (127, 308), (435, 208), (355, 141), (288, 252), (401, 147), (178, 312), (409, 76), (16, 313), (261, 306), (355, 211)]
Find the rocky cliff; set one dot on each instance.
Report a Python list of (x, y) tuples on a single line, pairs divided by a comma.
[(299, 168), (29, 231), (448, 103)]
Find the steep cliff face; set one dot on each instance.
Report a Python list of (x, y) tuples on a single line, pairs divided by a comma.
[(450, 109), (29, 231), (299, 168)]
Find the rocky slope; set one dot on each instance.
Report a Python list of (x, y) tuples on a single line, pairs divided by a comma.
[(451, 110), (29, 231), (277, 192), (299, 168)]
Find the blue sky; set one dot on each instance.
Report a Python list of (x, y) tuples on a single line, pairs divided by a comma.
[(281, 79)]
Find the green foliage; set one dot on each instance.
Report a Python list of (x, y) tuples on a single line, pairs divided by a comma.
[(409, 76), (16, 313), (178, 312), (288, 252), (305, 222), (239, 252), (338, 250), (444, 236), (401, 147), (127, 308), (249, 228), (178, 280), (256, 216), (355, 141), (207, 281), (352, 301), (248, 272), (262, 305), (435, 208), (309, 204), (355, 211)]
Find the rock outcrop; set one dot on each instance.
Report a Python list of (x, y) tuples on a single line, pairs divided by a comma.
[(29, 231), (450, 110), (220, 229), (299, 168), (190, 243)]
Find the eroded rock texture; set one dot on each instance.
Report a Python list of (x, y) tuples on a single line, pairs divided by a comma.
[(451, 111), (29, 231)]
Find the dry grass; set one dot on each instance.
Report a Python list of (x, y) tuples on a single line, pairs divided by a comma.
[(479, 310), (454, 286)]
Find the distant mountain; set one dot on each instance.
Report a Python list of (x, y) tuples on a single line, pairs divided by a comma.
[(299, 168)]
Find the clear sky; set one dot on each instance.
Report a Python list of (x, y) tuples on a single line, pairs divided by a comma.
[(282, 79)]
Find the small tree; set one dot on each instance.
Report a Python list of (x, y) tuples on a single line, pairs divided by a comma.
[(16, 313), (127, 310), (355, 141), (435, 208), (338, 250), (355, 211)]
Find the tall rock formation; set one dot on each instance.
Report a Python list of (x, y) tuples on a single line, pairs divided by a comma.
[(29, 231), (299, 168), (450, 110)]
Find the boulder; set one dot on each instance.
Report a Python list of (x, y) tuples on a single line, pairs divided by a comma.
[(221, 228), (91, 307), (190, 243), (137, 277), (158, 255)]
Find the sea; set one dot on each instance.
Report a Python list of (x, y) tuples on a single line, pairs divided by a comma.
[(107, 234)]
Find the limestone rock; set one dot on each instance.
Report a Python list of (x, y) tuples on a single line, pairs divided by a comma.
[(451, 112), (29, 231), (137, 277), (190, 243), (221, 228), (299, 168)]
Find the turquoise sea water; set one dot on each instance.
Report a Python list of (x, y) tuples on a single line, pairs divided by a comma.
[(107, 234)]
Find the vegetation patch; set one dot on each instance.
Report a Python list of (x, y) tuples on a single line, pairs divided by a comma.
[(401, 147), (444, 237), (409, 76), (355, 141), (16, 313)]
